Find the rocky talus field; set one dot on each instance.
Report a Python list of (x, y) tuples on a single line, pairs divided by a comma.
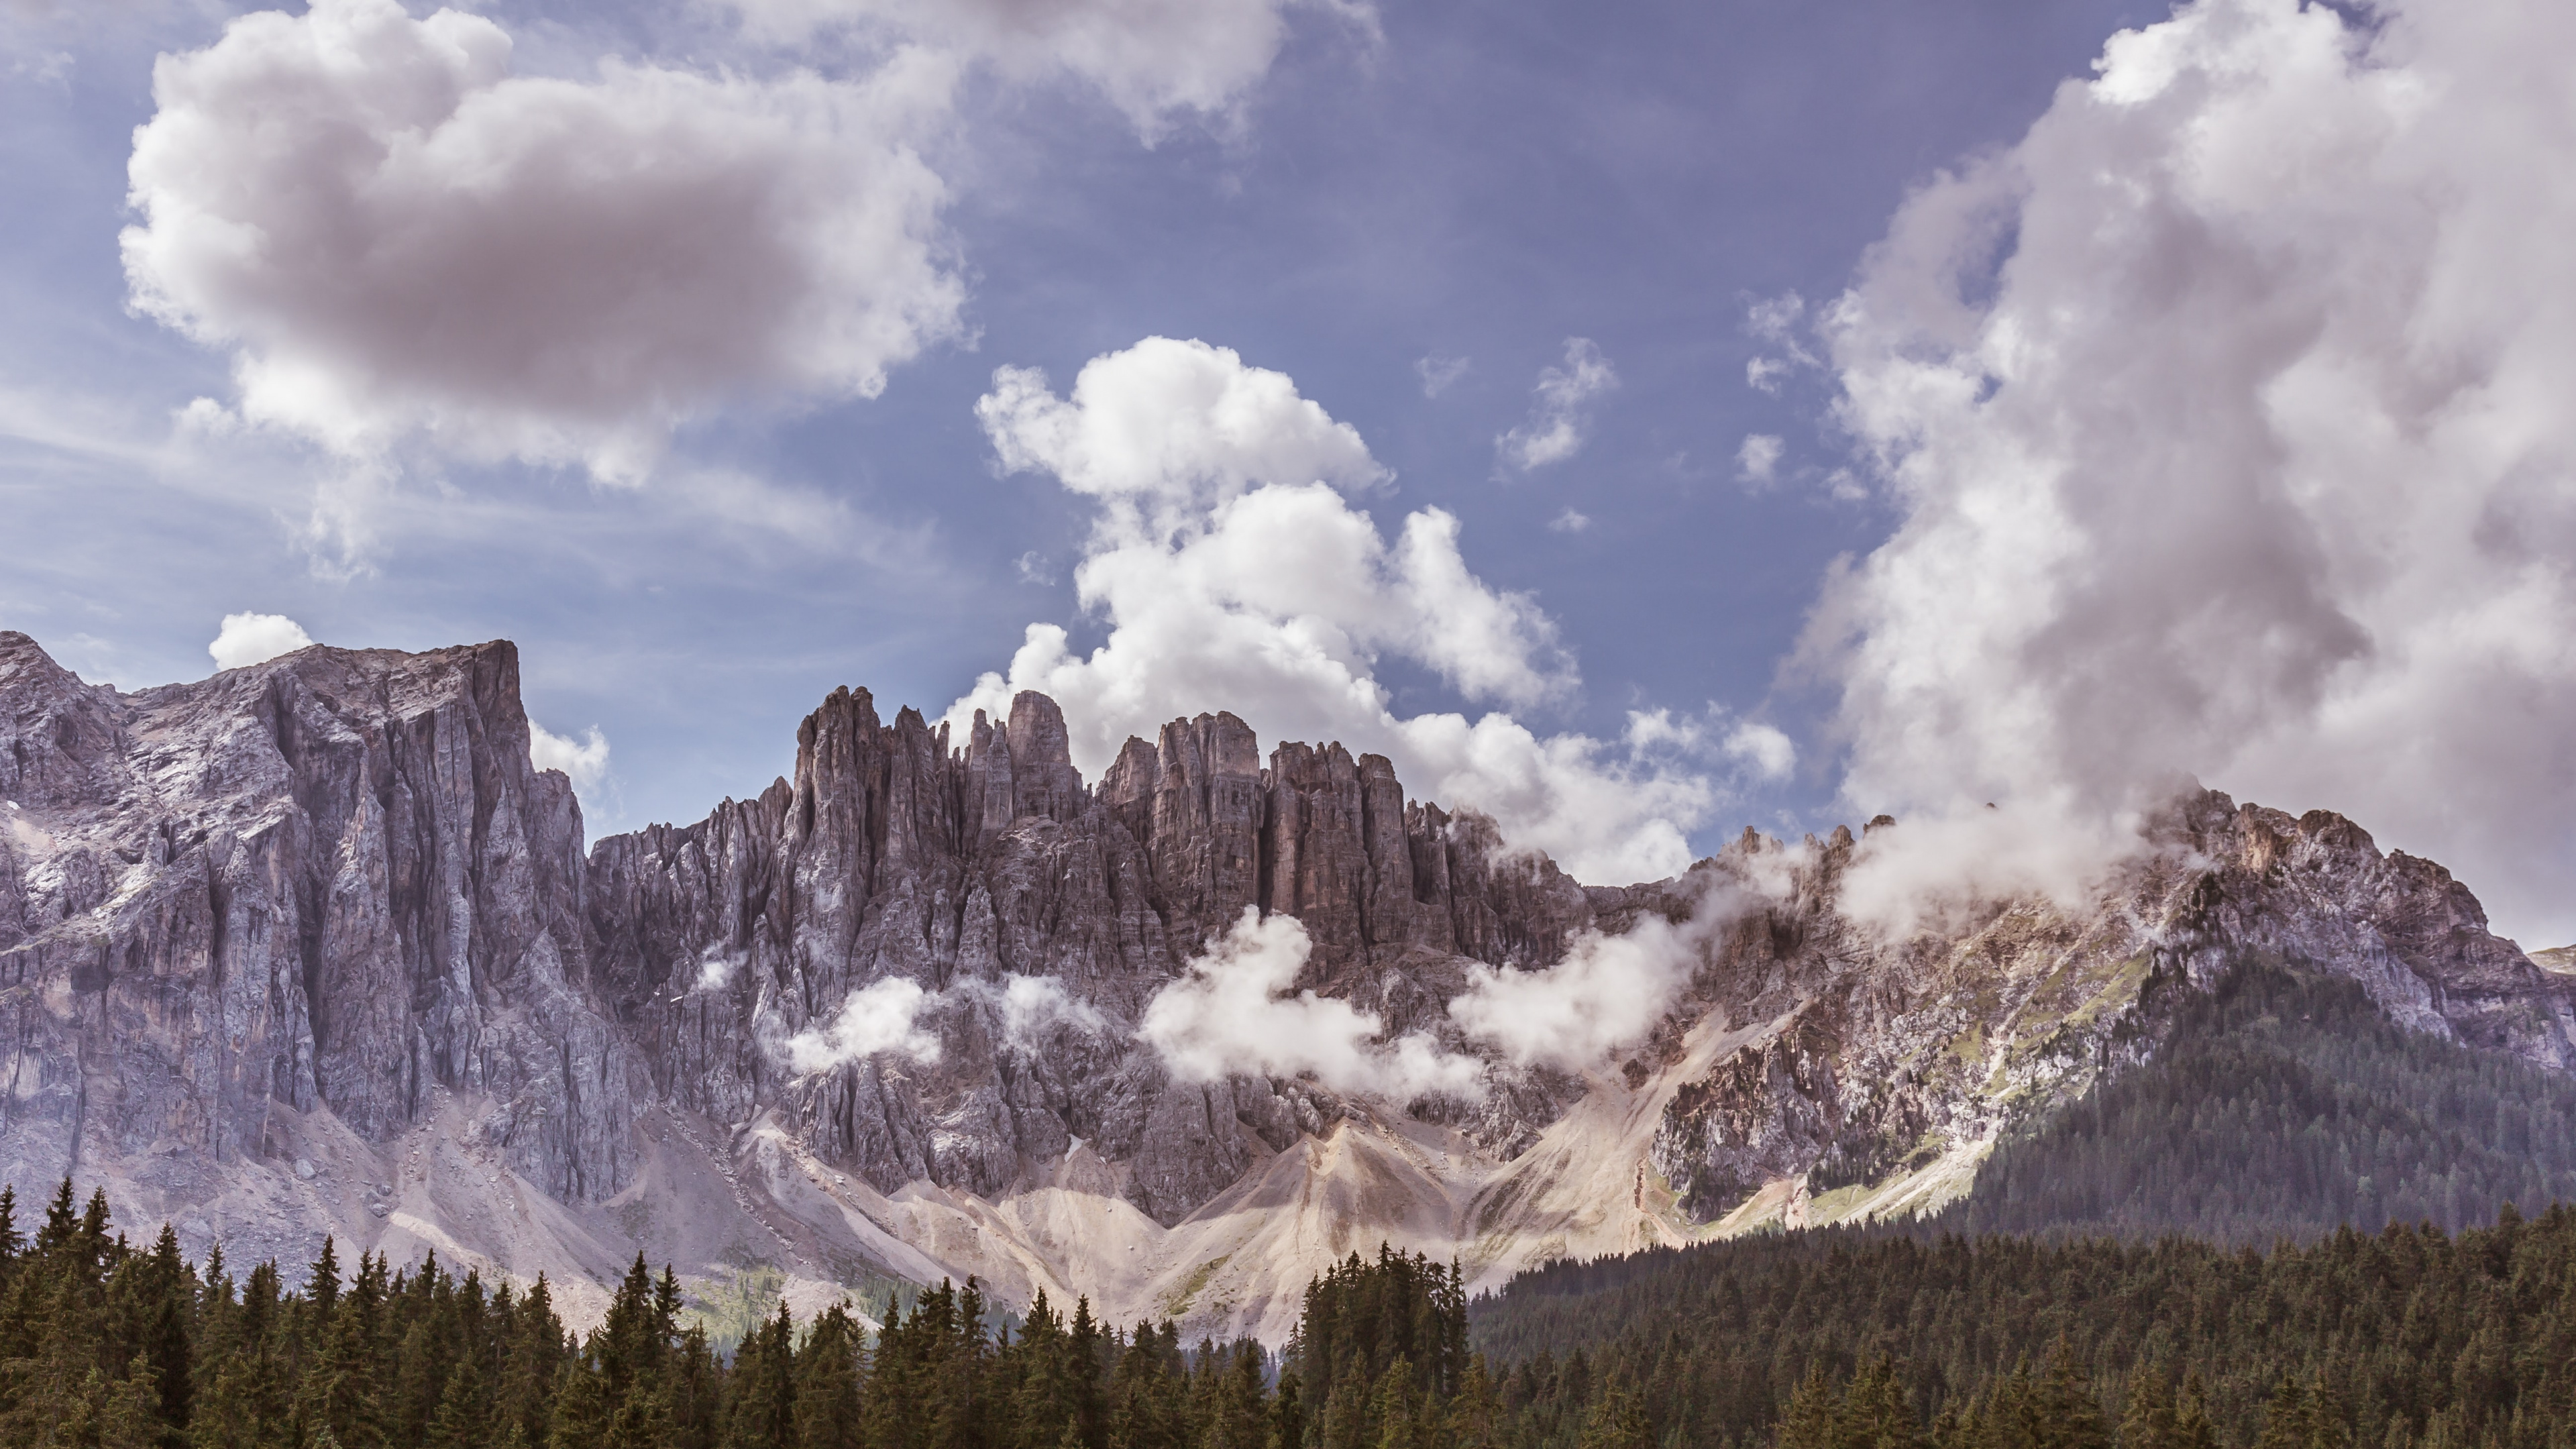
[(311, 947)]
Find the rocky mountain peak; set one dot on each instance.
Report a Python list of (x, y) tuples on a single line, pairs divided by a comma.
[(311, 946)]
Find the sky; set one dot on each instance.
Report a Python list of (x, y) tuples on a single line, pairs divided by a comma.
[(1637, 421)]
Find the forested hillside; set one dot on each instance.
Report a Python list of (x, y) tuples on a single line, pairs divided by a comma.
[(104, 1346), (2287, 1105), (2391, 1338)]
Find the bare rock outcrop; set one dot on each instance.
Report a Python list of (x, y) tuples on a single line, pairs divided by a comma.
[(329, 881), (897, 855)]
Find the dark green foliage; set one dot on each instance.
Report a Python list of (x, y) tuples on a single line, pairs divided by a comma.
[(1838, 1340), (2406, 1339), (103, 1346), (1360, 1318), (2288, 1106)]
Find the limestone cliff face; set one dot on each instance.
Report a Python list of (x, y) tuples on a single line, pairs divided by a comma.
[(896, 854), (333, 880), (310, 946)]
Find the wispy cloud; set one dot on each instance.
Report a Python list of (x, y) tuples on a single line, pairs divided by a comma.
[(1560, 411)]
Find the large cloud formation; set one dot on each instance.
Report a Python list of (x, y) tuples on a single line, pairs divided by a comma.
[(1235, 575), (1149, 58), (394, 234), (2229, 411)]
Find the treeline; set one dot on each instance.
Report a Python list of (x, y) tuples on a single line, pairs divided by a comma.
[(106, 1346), (2409, 1336), (2285, 1105)]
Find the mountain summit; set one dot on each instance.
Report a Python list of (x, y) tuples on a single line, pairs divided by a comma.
[(311, 946)]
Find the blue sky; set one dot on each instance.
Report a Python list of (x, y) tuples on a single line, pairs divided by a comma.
[(1398, 193)]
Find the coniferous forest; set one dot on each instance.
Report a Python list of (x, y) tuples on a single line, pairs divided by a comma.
[(2287, 1105), (1829, 1340)]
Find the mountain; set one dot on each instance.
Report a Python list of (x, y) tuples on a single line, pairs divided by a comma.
[(312, 947)]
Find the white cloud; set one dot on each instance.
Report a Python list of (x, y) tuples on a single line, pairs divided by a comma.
[(1763, 749), (1935, 870), (1569, 521), (1033, 568), (2228, 410), (1560, 416), (716, 968), (1607, 992), (1236, 1011), (1757, 462), (583, 761), (1650, 729), (1230, 581), (395, 236), (1030, 1004), (1774, 319), (1438, 372), (878, 1017), (250, 638), (1150, 58), (1166, 429)]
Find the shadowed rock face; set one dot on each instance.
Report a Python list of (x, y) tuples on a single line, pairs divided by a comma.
[(328, 894)]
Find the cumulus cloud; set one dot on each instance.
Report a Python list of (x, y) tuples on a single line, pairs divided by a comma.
[(1569, 521), (1167, 429), (1757, 462), (1150, 58), (1762, 748), (1608, 991), (584, 761), (1561, 412), (2227, 411), (1236, 1011), (881, 1016), (250, 638), (1234, 576), (395, 236)]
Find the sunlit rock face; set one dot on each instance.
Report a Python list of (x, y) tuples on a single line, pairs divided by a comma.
[(311, 947)]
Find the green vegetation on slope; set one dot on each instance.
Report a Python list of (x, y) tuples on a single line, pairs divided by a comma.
[(103, 1346), (2287, 1106), (1838, 1339)]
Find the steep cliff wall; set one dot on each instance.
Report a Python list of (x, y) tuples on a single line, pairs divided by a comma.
[(332, 882), (895, 855)]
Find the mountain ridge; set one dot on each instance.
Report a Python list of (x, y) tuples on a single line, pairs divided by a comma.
[(312, 946)]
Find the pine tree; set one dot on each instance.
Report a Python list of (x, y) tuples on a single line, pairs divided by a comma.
[(461, 1420), (829, 1371), (1617, 1421)]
